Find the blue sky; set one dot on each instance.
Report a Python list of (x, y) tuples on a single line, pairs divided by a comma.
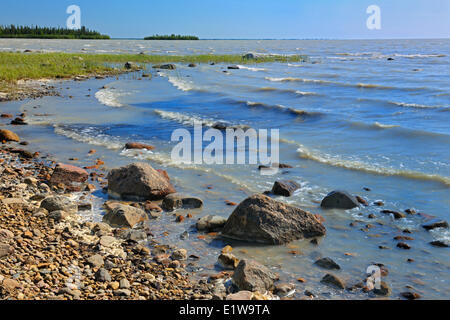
[(241, 19)]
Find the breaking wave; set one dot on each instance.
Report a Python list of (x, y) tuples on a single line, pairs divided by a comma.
[(356, 165), (110, 97)]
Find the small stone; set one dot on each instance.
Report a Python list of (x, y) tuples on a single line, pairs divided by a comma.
[(439, 243), (114, 285), (228, 261), (327, 263), (102, 275), (384, 289), (410, 295), (122, 293), (179, 254), (124, 284), (334, 281), (96, 261), (433, 224), (240, 296), (403, 245), (397, 215)]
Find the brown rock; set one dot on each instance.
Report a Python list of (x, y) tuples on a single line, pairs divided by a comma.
[(228, 261), (138, 181), (137, 145), (73, 178), (285, 188), (334, 281), (7, 135), (125, 216)]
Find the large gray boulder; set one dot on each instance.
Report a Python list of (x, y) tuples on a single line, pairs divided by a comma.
[(59, 203), (339, 200), (264, 220), (139, 181), (252, 276), (125, 216)]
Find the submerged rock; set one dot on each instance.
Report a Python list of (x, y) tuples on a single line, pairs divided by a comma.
[(339, 200), (211, 223), (139, 181), (397, 215), (165, 66), (333, 281), (327, 263), (252, 276), (178, 201), (73, 178), (125, 216), (433, 224), (285, 188), (264, 220)]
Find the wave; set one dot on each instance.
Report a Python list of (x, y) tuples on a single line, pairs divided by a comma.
[(296, 112), (109, 97), (191, 120), (251, 68), (415, 105), (418, 55), (165, 160), (179, 83), (295, 65), (89, 135), (385, 126), (288, 91), (358, 85), (368, 168)]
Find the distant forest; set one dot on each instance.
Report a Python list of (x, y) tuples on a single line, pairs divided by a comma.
[(13, 31), (171, 37)]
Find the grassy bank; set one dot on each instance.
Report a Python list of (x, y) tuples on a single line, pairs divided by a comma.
[(16, 66)]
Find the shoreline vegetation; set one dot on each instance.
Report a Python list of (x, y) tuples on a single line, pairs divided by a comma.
[(17, 68), (171, 37), (36, 32)]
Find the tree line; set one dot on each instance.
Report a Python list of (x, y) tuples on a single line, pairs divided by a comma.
[(13, 31), (171, 37)]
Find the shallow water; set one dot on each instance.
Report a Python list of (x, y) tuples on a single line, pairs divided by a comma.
[(367, 122)]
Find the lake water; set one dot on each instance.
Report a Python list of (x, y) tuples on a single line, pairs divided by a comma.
[(366, 122)]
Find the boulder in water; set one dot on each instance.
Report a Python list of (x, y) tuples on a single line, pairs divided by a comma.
[(285, 188), (264, 220), (339, 200)]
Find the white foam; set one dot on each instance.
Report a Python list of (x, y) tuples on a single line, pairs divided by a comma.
[(185, 119), (251, 68), (110, 97)]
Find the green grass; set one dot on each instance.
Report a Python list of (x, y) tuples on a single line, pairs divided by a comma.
[(16, 66)]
